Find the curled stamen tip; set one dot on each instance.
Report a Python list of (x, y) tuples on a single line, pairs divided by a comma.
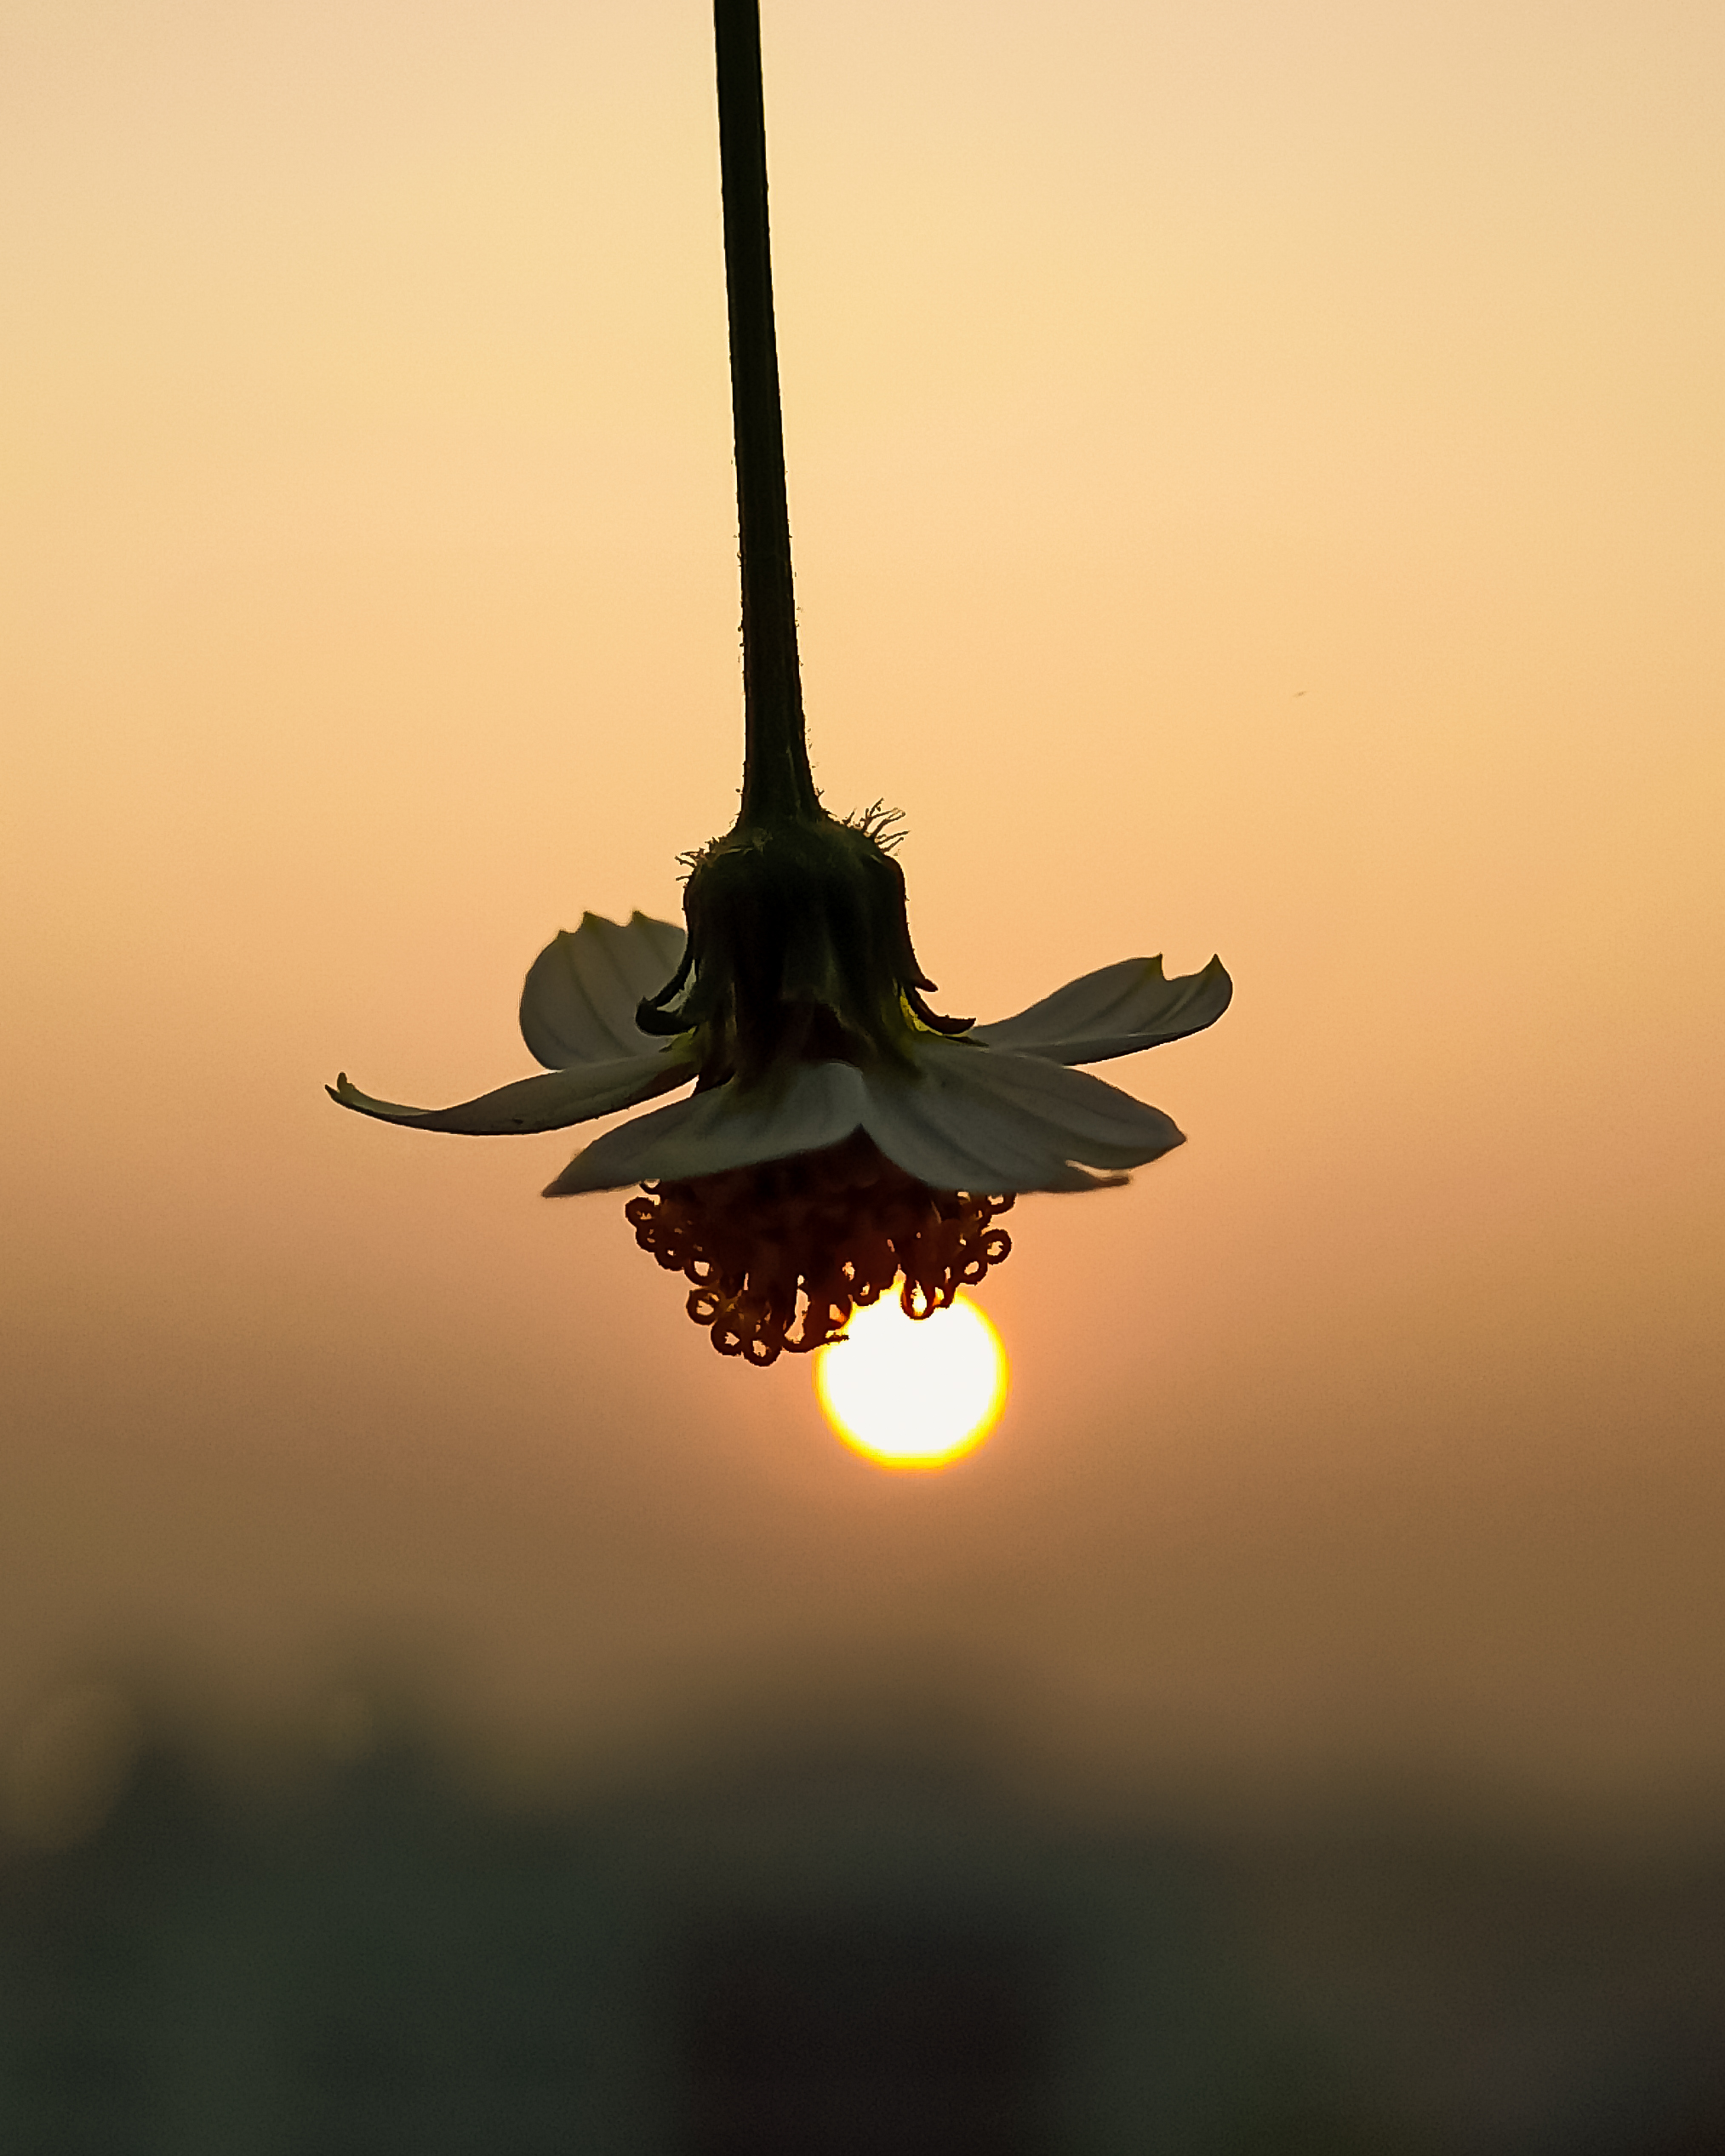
[(779, 1256)]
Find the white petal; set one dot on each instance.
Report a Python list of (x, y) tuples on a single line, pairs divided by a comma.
[(968, 1119), (799, 1110), (982, 1119), (947, 1138), (1113, 1012), (1098, 1123), (578, 1005), (551, 1102)]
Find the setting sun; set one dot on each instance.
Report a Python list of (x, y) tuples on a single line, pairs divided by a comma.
[(917, 1394)]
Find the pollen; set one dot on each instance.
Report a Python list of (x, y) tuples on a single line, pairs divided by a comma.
[(780, 1253)]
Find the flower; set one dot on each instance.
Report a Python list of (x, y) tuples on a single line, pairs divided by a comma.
[(841, 1133), (842, 1136)]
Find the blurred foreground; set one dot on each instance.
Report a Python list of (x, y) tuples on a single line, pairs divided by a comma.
[(879, 1947)]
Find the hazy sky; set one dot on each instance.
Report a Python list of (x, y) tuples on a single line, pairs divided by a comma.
[(1258, 480)]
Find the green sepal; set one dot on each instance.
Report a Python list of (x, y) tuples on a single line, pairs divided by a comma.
[(799, 947)]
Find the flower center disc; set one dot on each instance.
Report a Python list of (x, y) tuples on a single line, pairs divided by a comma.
[(916, 1393)]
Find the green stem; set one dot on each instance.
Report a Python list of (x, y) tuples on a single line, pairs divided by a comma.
[(776, 777)]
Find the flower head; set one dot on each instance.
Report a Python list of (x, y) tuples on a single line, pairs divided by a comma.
[(840, 1137)]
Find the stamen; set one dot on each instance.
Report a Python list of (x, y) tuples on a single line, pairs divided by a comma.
[(780, 1254)]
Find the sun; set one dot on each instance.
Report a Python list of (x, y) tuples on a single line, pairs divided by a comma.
[(916, 1393)]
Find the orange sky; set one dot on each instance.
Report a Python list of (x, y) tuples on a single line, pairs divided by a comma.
[(1256, 477)]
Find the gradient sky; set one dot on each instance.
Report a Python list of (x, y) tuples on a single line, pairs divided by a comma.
[(1257, 481)]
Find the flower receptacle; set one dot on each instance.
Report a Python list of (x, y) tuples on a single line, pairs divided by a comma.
[(799, 949)]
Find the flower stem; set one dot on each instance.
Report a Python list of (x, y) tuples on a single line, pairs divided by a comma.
[(777, 781)]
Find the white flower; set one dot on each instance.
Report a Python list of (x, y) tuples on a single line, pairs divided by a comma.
[(840, 1133)]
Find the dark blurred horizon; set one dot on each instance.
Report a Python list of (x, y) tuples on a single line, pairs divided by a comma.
[(70, 1756), (874, 1942)]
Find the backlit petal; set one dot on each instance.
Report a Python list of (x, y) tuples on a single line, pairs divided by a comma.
[(551, 1102), (1113, 1012), (983, 1119), (801, 1109), (578, 1005), (969, 1119), (952, 1140), (1096, 1122)]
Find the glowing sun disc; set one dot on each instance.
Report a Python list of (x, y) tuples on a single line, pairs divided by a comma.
[(913, 1392)]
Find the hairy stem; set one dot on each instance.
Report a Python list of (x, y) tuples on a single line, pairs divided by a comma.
[(777, 781)]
